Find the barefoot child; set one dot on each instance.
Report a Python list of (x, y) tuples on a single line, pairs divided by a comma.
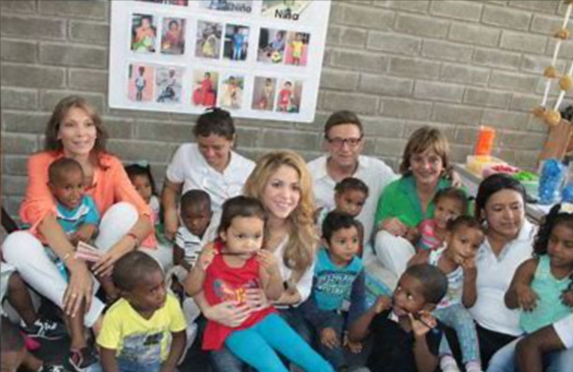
[(226, 270)]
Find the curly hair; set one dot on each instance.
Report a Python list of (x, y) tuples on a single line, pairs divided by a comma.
[(301, 246)]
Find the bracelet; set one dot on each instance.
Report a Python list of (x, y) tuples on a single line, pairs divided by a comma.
[(135, 238), (66, 257)]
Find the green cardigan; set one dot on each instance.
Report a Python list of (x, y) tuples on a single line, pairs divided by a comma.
[(400, 199)]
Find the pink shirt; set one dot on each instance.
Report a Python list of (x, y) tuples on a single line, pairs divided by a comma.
[(110, 185)]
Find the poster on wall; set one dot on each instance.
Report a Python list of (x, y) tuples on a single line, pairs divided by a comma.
[(256, 58)]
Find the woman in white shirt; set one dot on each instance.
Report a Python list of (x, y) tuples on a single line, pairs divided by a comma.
[(500, 205), (210, 165)]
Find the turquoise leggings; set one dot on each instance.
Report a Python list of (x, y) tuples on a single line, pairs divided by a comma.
[(256, 346)]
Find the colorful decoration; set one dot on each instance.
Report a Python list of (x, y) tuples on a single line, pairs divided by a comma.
[(551, 115)]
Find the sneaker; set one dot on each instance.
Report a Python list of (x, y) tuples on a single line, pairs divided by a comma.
[(473, 367), (45, 329), (47, 367), (81, 359), (448, 364)]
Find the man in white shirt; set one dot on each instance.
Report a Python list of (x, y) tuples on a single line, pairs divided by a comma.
[(344, 141)]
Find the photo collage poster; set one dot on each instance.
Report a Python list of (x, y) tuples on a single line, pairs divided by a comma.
[(258, 59)]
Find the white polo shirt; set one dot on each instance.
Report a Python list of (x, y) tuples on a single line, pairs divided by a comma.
[(495, 274), (373, 172), (191, 169)]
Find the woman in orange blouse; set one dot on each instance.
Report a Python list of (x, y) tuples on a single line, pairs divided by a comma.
[(75, 131)]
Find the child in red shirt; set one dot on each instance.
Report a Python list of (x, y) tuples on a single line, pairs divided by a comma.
[(234, 263)]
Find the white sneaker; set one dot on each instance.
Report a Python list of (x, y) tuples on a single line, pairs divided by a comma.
[(448, 364)]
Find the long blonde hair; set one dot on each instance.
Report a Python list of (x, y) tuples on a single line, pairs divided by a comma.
[(301, 246)]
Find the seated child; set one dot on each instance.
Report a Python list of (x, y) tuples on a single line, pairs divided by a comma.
[(456, 258), (142, 179), (350, 194), (338, 276), (15, 355), (406, 336), (226, 269), (449, 204), (541, 286), (77, 213), (145, 329)]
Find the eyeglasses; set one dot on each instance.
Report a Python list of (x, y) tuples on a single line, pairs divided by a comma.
[(339, 142)]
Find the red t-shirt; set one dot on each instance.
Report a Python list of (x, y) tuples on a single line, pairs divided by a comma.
[(224, 283)]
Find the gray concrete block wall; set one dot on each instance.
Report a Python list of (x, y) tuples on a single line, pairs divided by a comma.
[(455, 64)]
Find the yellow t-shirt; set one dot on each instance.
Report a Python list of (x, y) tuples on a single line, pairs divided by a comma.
[(138, 339)]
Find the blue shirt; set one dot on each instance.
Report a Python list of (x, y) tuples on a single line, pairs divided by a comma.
[(71, 219)]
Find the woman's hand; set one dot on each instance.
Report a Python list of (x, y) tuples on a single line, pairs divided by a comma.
[(394, 226), (256, 299), (79, 288), (104, 266), (526, 297), (456, 179), (170, 225), (228, 313), (567, 298), (354, 347), (207, 256), (268, 261)]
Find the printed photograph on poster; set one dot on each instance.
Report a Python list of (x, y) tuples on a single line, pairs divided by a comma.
[(284, 9), (205, 85), (143, 33), (289, 96), (173, 36), (237, 6), (271, 46), (297, 48), (168, 84), (264, 93), (208, 43), (231, 96), (236, 42), (167, 2), (140, 87)]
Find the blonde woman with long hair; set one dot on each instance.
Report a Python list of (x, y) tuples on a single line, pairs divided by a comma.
[(283, 184)]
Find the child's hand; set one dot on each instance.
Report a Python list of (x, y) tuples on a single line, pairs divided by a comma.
[(526, 297), (469, 266), (206, 258), (354, 347), (329, 338), (422, 323), (268, 261), (567, 298), (382, 303)]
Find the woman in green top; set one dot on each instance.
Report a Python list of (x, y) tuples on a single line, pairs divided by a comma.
[(407, 201)]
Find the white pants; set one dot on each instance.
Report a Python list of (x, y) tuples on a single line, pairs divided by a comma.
[(28, 255), (394, 252)]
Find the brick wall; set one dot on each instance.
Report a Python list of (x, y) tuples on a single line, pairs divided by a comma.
[(399, 64)]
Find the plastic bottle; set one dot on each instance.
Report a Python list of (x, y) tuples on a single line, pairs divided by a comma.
[(484, 143)]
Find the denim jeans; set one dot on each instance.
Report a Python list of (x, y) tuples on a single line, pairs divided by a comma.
[(504, 360)]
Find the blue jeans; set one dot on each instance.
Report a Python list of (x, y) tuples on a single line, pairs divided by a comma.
[(257, 344), (458, 318), (224, 361), (504, 360)]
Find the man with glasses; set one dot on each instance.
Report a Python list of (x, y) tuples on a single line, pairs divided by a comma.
[(344, 141)]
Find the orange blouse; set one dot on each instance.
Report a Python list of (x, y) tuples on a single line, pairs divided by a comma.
[(110, 185)]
